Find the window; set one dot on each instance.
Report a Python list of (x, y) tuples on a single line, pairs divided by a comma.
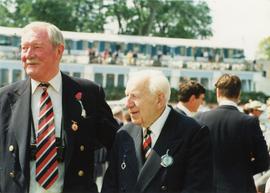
[(99, 78), (110, 80), (205, 82), (77, 74), (3, 77), (16, 75), (66, 72), (120, 80)]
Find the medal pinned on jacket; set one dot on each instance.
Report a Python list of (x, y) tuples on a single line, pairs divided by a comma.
[(78, 97), (74, 125), (166, 160), (123, 164)]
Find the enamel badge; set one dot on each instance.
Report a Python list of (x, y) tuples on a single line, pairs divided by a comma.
[(166, 160), (74, 126)]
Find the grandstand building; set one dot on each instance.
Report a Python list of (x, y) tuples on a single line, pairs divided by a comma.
[(108, 59)]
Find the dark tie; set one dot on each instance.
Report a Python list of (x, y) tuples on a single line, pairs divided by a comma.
[(46, 156), (147, 141)]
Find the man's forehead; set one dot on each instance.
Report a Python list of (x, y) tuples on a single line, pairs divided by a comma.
[(136, 86), (34, 34)]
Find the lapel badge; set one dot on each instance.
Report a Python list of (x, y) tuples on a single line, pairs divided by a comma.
[(123, 164), (74, 125), (78, 97), (166, 160)]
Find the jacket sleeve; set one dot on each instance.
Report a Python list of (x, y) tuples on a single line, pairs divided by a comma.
[(107, 125)]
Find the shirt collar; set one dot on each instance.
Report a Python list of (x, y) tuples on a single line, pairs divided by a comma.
[(227, 102), (159, 123), (55, 83), (183, 108)]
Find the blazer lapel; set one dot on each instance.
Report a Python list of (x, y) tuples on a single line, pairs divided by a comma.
[(20, 101), (138, 148), (164, 144), (69, 114), (131, 150)]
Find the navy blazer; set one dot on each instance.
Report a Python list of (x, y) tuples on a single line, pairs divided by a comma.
[(98, 127), (239, 149), (182, 138)]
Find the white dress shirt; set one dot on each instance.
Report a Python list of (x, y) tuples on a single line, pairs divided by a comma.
[(157, 126), (185, 109), (55, 92)]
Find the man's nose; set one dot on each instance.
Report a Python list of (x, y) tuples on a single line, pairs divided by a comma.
[(29, 53), (128, 103)]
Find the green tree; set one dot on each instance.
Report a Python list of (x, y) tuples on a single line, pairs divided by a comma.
[(184, 19), (264, 49), (79, 15)]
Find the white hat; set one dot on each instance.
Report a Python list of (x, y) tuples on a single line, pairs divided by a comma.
[(256, 105), (116, 109)]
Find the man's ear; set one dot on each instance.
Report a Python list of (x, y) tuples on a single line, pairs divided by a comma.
[(192, 98), (161, 99), (60, 49), (217, 92)]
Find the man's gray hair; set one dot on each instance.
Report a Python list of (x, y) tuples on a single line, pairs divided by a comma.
[(157, 81), (55, 35)]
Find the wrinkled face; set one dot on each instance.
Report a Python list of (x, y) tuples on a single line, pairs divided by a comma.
[(143, 107), (39, 57), (197, 102)]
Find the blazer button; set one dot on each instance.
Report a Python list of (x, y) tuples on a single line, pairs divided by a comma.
[(82, 147), (122, 189), (11, 148), (12, 174), (81, 173), (164, 188)]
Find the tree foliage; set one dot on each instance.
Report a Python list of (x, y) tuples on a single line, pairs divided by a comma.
[(264, 49), (79, 15), (184, 19)]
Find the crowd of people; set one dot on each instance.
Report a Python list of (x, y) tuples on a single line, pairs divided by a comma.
[(133, 58), (56, 129)]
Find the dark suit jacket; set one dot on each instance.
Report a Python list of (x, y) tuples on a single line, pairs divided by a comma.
[(186, 142), (237, 140), (98, 127)]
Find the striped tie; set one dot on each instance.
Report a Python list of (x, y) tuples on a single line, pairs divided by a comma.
[(147, 141), (46, 155)]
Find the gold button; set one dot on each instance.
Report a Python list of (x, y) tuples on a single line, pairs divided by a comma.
[(82, 147), (12, 174), (81, 173), (11, 148)]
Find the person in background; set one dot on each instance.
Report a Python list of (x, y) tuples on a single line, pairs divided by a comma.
[(267, 186), (51, 123), (239, 148), (256, 108), (118, 114), (161, 150), (191, 95)]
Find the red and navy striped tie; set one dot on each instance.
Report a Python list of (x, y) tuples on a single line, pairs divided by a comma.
[(147, 142), (46, 155)]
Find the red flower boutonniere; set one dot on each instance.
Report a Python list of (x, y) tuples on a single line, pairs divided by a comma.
[(78, 97)]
